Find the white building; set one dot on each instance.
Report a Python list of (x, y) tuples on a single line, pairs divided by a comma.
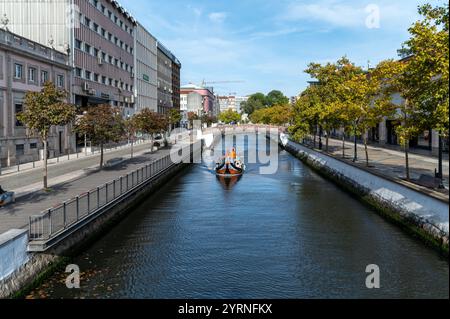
[(239, 101), (146, 91)]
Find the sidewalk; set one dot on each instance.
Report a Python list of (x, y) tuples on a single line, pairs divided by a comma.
[(390, 162), (34, 200), (64, 158)]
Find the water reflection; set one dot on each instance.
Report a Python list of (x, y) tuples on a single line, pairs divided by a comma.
[(228, 182)]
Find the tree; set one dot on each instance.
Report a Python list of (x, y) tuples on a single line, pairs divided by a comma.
[(305, 114), (208, 119), (255, 102), (192, 116), (276, 97), (368, 98), (151, 123), (43, 110), (174, 117), (275, 115), (425, 84), (102, 124), (131, 128), (229, 116)]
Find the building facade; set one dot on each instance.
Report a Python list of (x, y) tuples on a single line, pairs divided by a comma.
[(165, 101), (146, 80), (24, 67), (206, 104), (97, 34), (239, 100), (227, 103), (176, 84)]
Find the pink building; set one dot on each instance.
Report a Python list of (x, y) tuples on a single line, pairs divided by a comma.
[(195, 98)]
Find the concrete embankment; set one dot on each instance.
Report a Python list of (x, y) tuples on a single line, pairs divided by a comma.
[(420, 214), (20, 269)]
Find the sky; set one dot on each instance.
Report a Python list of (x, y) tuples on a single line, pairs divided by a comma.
[(267, 44)]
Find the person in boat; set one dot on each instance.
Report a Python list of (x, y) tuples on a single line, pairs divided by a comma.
[(2, 191), (233, 154)]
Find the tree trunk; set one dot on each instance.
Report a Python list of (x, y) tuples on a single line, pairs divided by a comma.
[(314, 141), (326, 142), (101, 155), (343, 145), (366, 150), (45, 169), (407, 161), (132, 143)]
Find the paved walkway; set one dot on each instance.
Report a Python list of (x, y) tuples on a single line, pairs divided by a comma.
[(390, 162), (67, 180)]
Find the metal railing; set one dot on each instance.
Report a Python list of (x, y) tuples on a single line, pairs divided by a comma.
[(56, 220)]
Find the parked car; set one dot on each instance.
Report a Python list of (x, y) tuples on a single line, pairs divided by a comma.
[(159, 141)]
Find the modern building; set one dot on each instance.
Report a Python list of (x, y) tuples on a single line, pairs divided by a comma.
[(176, 84), (25, 66), (97, 34), (146, 80), (168, 79), (227, 103), (239, 100)]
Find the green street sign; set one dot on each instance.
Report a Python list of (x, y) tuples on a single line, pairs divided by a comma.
[(146, 77)]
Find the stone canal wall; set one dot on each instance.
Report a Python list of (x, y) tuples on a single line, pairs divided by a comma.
[(21, 270), (422, 215)]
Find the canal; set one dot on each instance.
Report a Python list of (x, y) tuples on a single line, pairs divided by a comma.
[(291, 234)]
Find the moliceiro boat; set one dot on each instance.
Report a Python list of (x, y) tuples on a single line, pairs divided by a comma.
[(230, 165)]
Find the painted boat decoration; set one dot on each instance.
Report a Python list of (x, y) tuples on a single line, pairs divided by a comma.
[(230, 166)]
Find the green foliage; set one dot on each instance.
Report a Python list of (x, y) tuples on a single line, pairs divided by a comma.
[(276, 97), (208, 119), (275, 115), (229, 116), (102, 124), (149, 122), (425, 84), (45, 109), (174, 116), (259, 101)]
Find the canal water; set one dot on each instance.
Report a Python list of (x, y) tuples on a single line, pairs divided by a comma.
[(291, 234)]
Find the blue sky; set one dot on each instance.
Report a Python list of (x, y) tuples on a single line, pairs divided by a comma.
[(268, 43)]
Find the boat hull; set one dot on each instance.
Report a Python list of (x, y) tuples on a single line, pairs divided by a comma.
[(229, 169)]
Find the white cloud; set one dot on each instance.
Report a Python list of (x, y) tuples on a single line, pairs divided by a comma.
[(275, 33), (344, 14), (217, 17)]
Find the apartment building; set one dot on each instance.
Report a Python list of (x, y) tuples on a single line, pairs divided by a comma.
[(168, 79), (146, 79), (97, 34), (227, 103), (25, 66)]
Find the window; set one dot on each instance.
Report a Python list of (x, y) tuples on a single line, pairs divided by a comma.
[(103, 33), (95, 3), (121, 24), (18, 71), (121, 44), (87, 75), (104, 56), (33, 146), (32, 74), (44, 76), (111, 59), (131, 50), (95, 77), (20, 150), (87, 22), (96, 52), (110, 82), (78, 44), (109, 14), (78, 72), (116, 40), (103, 79), (87, 48), (116, 83), (95, 27), (60, 81), (116, 62), (126, 47), (103, 9), (115, 19), (109, 36), (18, 107)]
